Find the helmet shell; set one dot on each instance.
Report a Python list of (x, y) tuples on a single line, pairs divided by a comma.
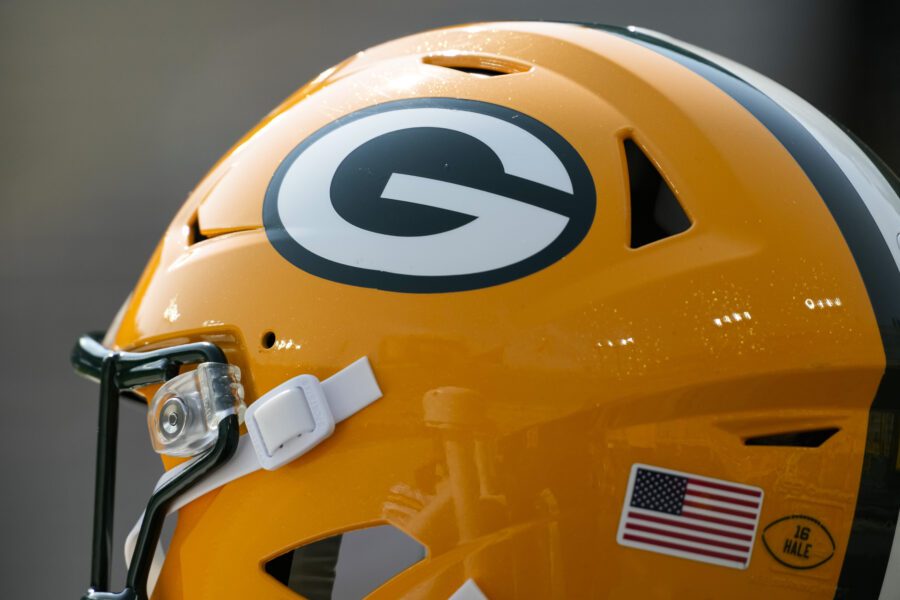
[(513, 414)]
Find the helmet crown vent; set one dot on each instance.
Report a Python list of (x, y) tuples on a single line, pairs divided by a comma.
[(479, 65)]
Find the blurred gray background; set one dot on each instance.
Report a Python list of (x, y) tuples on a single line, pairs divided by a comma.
[(112, 110)]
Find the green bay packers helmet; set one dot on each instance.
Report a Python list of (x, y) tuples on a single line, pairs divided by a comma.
[(519, 310)]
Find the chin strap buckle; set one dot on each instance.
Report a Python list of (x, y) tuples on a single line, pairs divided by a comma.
[(293, 418)]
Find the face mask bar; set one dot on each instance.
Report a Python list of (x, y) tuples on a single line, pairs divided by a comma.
[(118, 374)]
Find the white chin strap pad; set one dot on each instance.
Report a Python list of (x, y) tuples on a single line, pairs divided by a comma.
[(285, 423), (468, 591)]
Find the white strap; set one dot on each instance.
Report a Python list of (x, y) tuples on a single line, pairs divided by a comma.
[(284, 423), (351, 389)]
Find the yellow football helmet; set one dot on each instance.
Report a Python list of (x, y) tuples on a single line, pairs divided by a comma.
[(520, 310)]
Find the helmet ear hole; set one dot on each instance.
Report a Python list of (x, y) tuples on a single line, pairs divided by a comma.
[(351, 564), (268, 339)]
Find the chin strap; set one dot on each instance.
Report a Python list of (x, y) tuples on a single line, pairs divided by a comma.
[(468, 591), (283, 424)]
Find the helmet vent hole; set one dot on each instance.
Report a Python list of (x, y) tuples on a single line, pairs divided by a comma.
[(195, 235), (656, 213), (810, 438), (477, 64), (348, 565), (268, 339), (478, 71)]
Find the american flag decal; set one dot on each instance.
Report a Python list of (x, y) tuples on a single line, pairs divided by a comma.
[(693, 517)]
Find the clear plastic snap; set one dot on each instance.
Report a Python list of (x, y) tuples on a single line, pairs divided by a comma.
[(184, 415)]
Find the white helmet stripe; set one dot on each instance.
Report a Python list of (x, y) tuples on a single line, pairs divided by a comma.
[(870, 183)]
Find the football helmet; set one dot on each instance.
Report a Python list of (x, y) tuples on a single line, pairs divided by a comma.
[(515, 310)]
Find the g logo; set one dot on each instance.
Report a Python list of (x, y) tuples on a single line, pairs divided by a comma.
[(429, 195)]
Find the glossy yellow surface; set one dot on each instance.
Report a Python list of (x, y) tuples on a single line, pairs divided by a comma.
[(512, 415)]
